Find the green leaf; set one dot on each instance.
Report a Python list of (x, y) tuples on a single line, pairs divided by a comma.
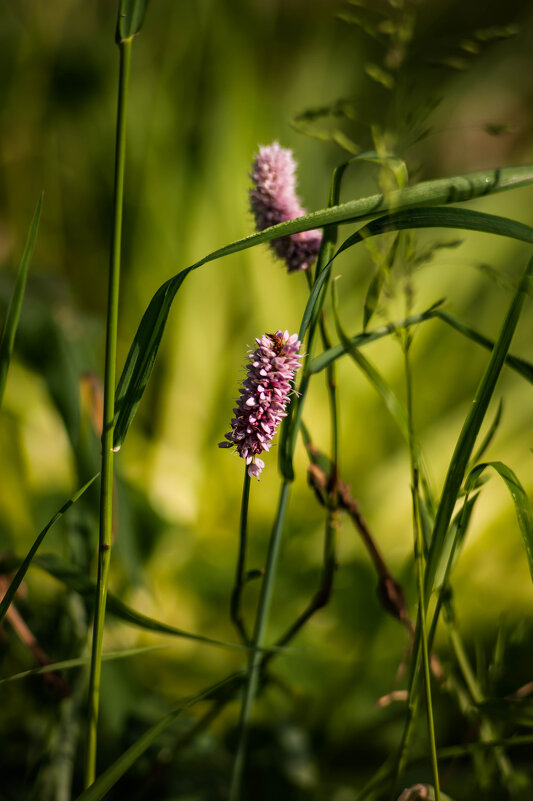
[(146, 342), (470, 431), (70, 664), (13, 312), (21, 572), (109, 777), (520, 366), (442, 217), (366, 337), (75, 580), (130, 18), (524, 512)]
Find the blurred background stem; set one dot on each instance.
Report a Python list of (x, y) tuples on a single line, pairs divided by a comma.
[(106, 490)]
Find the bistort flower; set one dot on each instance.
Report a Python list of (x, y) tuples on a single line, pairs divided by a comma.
[(263, 397), (273, 200)]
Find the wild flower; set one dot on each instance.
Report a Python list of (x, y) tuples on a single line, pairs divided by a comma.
[(273, 200), (263, 397)]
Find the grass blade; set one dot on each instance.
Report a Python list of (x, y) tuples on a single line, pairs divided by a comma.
[(75, 580), (366, 337), (146, 342), (470, 430), (441, 217), (80, 661), (13, 312), (109, 777), (520, 366), (524, 512), (21, 572)]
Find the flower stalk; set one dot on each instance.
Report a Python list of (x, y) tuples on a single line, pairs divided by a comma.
[(106, 487)]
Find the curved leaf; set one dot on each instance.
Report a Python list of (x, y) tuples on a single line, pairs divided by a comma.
[(109, 777), (524, 512), (80, 661), (470, 431), (75, 580), (145, 344), (21, 572)]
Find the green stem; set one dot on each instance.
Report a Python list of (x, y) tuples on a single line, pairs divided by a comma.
[(235, 603), (258, 642), (419, 556), (106, 489)]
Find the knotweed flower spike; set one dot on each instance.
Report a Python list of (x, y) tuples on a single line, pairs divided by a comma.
[(273, 200), (263, 397)]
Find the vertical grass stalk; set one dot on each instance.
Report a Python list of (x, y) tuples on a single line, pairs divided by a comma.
[(258, 642), (235, 603), (106, 489), (419, 559)]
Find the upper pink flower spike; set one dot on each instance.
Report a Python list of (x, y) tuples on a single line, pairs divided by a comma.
[(273, 200), (263, 397)]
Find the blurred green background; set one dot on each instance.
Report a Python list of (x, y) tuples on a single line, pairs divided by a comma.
[(210, 82)]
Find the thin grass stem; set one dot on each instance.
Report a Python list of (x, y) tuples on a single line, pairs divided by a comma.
[(236, 595), (106, 489), (258, 642), (419, 559)]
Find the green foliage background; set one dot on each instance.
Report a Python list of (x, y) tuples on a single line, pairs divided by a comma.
[(210, 81)]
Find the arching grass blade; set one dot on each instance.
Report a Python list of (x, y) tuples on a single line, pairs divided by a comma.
[(21, 572), (524, 512), (109, 777), (470, 430), (146, 342)]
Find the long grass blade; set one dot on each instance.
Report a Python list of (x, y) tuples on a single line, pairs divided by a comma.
[(146, 342), (524, 512), (520, 366), (103, 784), (21, 572), (470, 430), (9, 330), (441, 217), (81, 661), (75, 580)]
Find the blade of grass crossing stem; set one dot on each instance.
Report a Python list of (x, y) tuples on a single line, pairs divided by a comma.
[(320, 362), (13, 312), (325, 358), (524, 512), (446, 190), (81, 661), (520, 366), (21, 572), (107, 780), (106, 485), (470, 431), (77, 581)]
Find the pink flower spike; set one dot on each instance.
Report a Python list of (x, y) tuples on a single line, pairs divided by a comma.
[(264, 396), (273, 200)]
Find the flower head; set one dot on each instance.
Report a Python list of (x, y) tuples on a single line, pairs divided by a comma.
[(273, 200), (263, 397)]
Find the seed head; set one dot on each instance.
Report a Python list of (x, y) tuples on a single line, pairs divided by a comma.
[(263, 397), (273, 200)]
